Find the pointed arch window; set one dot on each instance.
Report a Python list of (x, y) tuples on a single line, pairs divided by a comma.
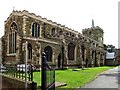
[(48, 52), (83, 52), (71, 51), (12, 38), (53, 31), (35, 30)]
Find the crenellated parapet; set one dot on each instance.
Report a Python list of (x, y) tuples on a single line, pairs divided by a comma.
[(61, 31)]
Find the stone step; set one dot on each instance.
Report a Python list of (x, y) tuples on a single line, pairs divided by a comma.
[(60, 84)]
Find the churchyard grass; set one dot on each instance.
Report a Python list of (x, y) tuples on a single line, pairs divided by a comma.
[(76, 78)]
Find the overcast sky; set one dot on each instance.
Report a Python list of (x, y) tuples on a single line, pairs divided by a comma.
[(75, 14)]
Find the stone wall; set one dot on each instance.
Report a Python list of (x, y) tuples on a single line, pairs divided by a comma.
[(11, 83), (110, 62), (117, 56)]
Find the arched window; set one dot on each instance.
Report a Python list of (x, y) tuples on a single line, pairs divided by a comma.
[(48, 52), (83, 52), (12, 38), (60, 32), (53, 31), (93, 54), (71, 51), (29, 51), (35, 30)]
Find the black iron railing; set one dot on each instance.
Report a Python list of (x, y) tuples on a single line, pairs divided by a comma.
[(48, 75), (18, 71)]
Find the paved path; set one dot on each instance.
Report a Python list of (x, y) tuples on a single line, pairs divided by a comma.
[(108, 79)]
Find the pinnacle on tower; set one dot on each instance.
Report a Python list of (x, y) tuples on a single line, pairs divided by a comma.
[(13, 8), (93, 23)]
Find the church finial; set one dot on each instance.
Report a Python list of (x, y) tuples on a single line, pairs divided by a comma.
[(13, 8), (93, 23)]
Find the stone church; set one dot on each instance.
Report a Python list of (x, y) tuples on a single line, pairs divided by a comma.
[(63, 46)]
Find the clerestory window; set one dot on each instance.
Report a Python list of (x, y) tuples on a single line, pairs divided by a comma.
[(53, 31), (35, 30)]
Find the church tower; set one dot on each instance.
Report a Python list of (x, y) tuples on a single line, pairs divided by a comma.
[(95, 32)]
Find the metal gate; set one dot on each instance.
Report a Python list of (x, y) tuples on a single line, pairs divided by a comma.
[(48, 75)]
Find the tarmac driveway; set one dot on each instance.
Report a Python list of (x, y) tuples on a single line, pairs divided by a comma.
[(106, 81)]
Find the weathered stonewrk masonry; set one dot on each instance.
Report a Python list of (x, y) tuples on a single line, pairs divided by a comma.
[(63, 46)]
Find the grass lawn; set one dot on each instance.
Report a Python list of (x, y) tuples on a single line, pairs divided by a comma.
[(74, 78)]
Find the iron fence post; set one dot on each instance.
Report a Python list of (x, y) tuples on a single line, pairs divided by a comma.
[(43, 77), (31, 73)]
